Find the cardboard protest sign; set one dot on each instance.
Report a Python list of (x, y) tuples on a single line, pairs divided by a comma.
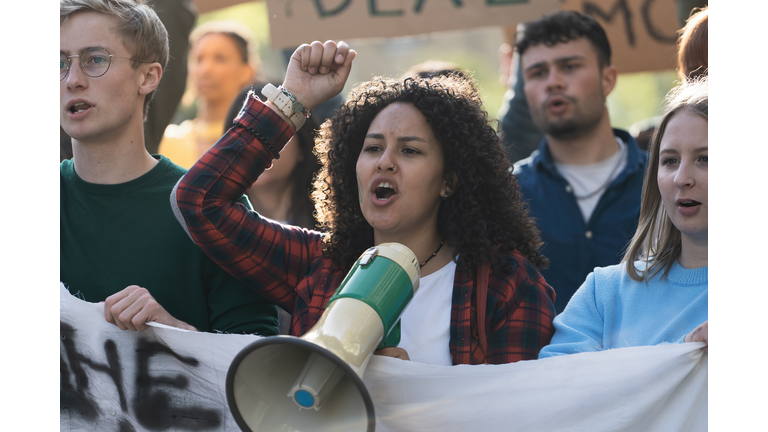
[(293, 22), (174, 380), (642, 33), (204, 6)]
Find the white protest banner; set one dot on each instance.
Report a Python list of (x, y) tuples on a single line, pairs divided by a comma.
[(159, 379), (293, 22), (173, 380)]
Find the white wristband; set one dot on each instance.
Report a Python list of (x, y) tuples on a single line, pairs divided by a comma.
[(292, 109)]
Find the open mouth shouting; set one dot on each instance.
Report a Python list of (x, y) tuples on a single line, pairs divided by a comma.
[(383, 192)]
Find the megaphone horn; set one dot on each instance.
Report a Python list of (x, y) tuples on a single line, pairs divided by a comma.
[(314, 382)]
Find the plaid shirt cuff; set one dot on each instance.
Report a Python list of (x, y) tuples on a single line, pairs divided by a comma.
[(265, 124)]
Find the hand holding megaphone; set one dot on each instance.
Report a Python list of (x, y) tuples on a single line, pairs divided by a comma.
[(395, 352)]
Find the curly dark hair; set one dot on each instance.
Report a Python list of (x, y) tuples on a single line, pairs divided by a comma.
[(562, 27), (485, 215)]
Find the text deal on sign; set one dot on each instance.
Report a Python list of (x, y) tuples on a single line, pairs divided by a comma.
[(293, 22)]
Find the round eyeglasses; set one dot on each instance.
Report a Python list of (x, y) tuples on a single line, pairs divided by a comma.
[(93, 61)]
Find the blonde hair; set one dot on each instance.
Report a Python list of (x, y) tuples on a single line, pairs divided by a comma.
[(143, 33), (657, 241)]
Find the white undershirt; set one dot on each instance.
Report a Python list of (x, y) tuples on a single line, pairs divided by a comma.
[(584, 179), (426, 323)]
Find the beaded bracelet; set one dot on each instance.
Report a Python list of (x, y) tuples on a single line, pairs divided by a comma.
[(259, 137)]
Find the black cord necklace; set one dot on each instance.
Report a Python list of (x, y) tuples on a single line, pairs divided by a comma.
[(433, 255), (607, 181)]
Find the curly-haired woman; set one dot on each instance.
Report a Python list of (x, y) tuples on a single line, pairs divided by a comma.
[(413, 162)]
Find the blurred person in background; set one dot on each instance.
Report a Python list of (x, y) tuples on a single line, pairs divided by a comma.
[(282, 192), (692, 63), (693, 46), (178, 17), (583, 184), (520, 136), (642, 131), (221, 65)]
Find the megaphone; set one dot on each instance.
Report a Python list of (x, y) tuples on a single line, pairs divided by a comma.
[(314, 382)]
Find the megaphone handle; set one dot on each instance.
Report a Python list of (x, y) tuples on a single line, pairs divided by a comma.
[(393, 338)]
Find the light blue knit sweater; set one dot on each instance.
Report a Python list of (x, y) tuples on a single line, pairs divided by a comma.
[(611, 310)]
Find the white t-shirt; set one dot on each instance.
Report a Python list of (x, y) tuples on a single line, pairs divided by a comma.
[(585, 179), (426, 323)]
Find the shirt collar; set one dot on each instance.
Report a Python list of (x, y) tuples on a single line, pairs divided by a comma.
[(636, 158)]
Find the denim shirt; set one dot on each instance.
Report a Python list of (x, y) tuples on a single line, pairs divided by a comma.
[(574, 246)]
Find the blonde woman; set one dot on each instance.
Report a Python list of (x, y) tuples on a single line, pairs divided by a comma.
[(659, 293)]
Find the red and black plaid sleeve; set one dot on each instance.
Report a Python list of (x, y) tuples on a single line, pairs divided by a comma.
[(518, 318), (521, 324), (267, 256)]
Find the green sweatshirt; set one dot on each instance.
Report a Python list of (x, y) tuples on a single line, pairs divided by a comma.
[(113, 236)]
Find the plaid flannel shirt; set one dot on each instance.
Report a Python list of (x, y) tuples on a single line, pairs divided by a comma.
[(286, 264)]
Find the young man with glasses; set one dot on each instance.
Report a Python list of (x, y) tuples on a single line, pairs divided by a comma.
[(120, 242)]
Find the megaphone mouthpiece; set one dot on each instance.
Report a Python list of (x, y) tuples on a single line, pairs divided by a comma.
[(315, 382)]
